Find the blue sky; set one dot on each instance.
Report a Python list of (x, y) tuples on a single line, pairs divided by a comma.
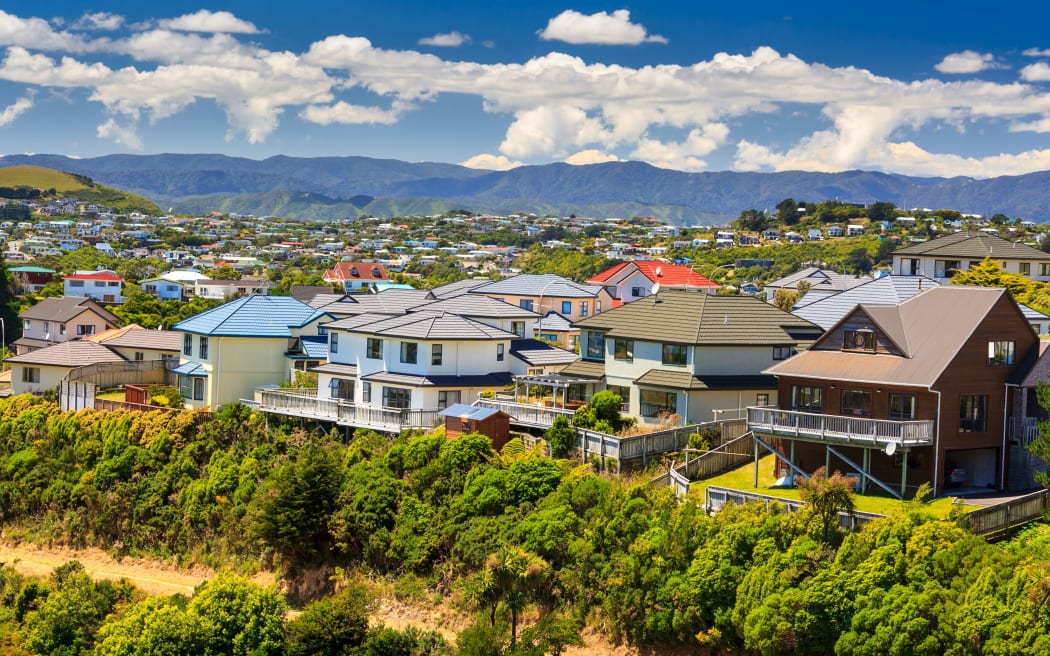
[(922, 88)]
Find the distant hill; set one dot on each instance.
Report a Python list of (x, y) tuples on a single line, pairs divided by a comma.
[(332, 187), (61, 184)]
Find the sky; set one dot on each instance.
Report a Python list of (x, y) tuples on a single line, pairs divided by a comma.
[(923, 88)]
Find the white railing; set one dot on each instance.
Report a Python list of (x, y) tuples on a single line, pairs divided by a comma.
[(526, 414), (306, 404), (839, 429)]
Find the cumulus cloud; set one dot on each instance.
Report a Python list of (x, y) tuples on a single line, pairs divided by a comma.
[(967, 61), (591, 156), (209, 21), (684, 155), (125, 135), (99, 20), (16, 109), (601, 28), (1036, 52), (491, 162), (445, 40), (1037, 72), (346, 113)]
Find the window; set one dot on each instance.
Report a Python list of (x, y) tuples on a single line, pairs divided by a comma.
[(87, 329), (204, 348), (31, 374), (25, 324), (781, 352), (374, 348), (637, 292), (624, 393), (1000, 354), (623, 349), (526, 304), (945, 268), (435, 354), (198, 389), (856, 403), (448, 397), (675, 354), (805, 398), (566, 308), (1025, 268), (761, 399), (342, 389), (654, 403), (973, 413), (187, 343), (139, 356), (186, 387), (595, 346), (902, 407), (62, 329), (499, 352), (1044, 269), (518, 328), (366, 392), (76, 283), (397, 397), (333, 343), (585, 308), (409, 352), (858, 340)]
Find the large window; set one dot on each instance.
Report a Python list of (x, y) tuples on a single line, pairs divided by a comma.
[(806, 398), (781, 352), (855, 402), (623, 349), (204, 348), (397, 397), (409, 352), (448, 397), (595, 346), (436, 354), (675, 354), (655, 403), (946, 268), (1000, 354), (973, 413), (374, 348), (85, 329), (191, 388), (526, 304), (902, 407), (566, 308), (187, 344), (858, 340), (333, 343), (342, 389)]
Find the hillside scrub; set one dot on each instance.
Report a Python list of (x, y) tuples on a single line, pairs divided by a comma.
[(537, 548)]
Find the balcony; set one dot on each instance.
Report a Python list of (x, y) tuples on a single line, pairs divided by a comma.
[(856, 431), (306, 404), (524, 414)]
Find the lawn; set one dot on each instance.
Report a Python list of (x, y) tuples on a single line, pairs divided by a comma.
[(111, 395), (743, 478)]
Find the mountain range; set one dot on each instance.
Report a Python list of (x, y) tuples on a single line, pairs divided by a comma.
[(335, 187)]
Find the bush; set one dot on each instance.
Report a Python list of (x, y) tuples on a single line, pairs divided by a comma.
[(561, 437)]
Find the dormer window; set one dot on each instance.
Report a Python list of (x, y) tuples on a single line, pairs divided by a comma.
[(859, 340)]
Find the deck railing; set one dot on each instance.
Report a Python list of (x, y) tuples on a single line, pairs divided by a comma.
[(305, 403), (840, 429), (997, 521), (526, 414), (715, 498)]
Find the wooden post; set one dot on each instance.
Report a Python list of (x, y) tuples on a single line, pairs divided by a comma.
[(755, 442), (645, 449), (904, 471), (865, 468)]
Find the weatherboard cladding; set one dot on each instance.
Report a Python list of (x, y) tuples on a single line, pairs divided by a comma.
[(683, 317), (973, 246), (252, 316)]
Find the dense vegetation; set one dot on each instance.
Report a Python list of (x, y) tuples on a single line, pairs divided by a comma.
[(502, 534)]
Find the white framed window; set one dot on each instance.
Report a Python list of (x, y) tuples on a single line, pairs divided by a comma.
[(31, 374)]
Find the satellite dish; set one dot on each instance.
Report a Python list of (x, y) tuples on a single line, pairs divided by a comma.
[(891, 448), (656, 288)]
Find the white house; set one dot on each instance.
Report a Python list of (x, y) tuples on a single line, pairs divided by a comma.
[(105, 286)]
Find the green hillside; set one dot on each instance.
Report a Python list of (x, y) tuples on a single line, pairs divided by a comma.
[(58, 184)]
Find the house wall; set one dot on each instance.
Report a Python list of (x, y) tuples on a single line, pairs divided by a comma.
[(457, 358), (730, 360), (52, 330), (928, 265), (101, 290), (555, 303), (50, 377), (147, 354)]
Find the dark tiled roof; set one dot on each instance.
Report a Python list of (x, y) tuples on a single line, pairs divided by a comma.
[(459, 287), (685, 380), (585, 369), (974, 246), (335, 368), (161, 340), (538, 353), (66, 308), (68, 354)]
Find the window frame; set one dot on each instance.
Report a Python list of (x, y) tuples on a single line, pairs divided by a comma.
[(782, 352), (859, 402), (566, 308), (402, 396), (1002, 353), (500, 352), (807, 398), (667, 351), (862, 339), (374, 348), (31, 375), (592, 350), (437, 354), (623, 349), (409, 353), (187, 343), (896, 415), (973, 413), (333, 342), (203, 346)]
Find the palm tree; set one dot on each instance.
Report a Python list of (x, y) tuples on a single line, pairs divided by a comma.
[(515, 576)]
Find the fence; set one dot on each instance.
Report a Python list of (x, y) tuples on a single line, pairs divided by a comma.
[(114, 374), (715, 498), (635, 450), (76, 395), (306, 404), (526, 414), (997, 521)]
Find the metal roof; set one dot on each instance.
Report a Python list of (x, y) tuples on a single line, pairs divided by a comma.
[(888, 290), (473, 413), (195, 369), (422, 326), (545, 284), (252, 316), (538, 353), (315, 346)]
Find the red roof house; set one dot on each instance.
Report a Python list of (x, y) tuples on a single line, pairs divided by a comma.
[(634, 279), (354, 275)]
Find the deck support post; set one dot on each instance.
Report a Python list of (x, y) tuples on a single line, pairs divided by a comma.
[(904, 471)]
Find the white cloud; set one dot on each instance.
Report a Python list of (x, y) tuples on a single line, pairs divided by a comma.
[(1036, 52), (967, 61), (124, 135), (601, 28), (209, 21), (345, 113), (446, 40), (590, 156), (99, 20), (16, 109), (684, 155), (490, 162), (1037, 72)]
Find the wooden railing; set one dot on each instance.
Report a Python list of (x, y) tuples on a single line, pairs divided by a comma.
[(839, 429), (525, 414), (637, 449), (715, 498), (305, 403), (997, 521), (114, 374)]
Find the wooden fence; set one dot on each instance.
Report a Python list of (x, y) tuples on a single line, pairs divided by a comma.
[(115, 374), (635, 450), (715, 498), (998, 521)]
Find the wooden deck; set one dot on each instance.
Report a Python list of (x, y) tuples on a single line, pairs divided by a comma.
[(855, 431), (306, 404)]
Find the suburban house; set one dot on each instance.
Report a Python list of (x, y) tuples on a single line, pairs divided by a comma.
[(687, 353), (905, 394), (356, 275), (556, 329), (634, 279), (230, 350), (542, 293), (818, 280), (173, 285), (940, 258), (31, 279), (228, 289), (104, 286), (829, 309), (65, 319), (136, 344)]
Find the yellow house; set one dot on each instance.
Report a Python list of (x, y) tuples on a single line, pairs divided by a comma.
[(230, 350)]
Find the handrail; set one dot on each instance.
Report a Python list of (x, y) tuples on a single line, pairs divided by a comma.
[(836, 428)]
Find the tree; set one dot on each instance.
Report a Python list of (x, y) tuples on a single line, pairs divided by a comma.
[(785, 299), (752, 219), (882, 211), (860, 260), (561, 437), (827, 497), (515, 576), (331, 626), (787, 212), (224, 272)]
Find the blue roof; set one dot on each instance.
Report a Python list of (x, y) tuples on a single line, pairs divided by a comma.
[(190, 369), (464, 411), (252, 316), (315, 346)]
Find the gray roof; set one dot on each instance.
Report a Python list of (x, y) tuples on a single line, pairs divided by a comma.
[(1032, 314), (464, 411), (539, 353), (477, 305), (161, 340), (69, 354), (888, 290), (554, 322), (191, 369), (818, 278), (687, 317), (458, 287), (686, 380), (306, 293), (432, 326), (585, 369), (974, 246), (66, 308), (336, 368), (545, 284)]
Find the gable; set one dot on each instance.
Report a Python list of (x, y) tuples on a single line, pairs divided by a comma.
[(859, 321)]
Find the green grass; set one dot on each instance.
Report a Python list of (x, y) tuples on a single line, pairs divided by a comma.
[(112, 395), (743, 478), (39, 177)]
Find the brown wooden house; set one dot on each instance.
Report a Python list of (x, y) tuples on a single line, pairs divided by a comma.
[(462, 418), (898, 395)]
